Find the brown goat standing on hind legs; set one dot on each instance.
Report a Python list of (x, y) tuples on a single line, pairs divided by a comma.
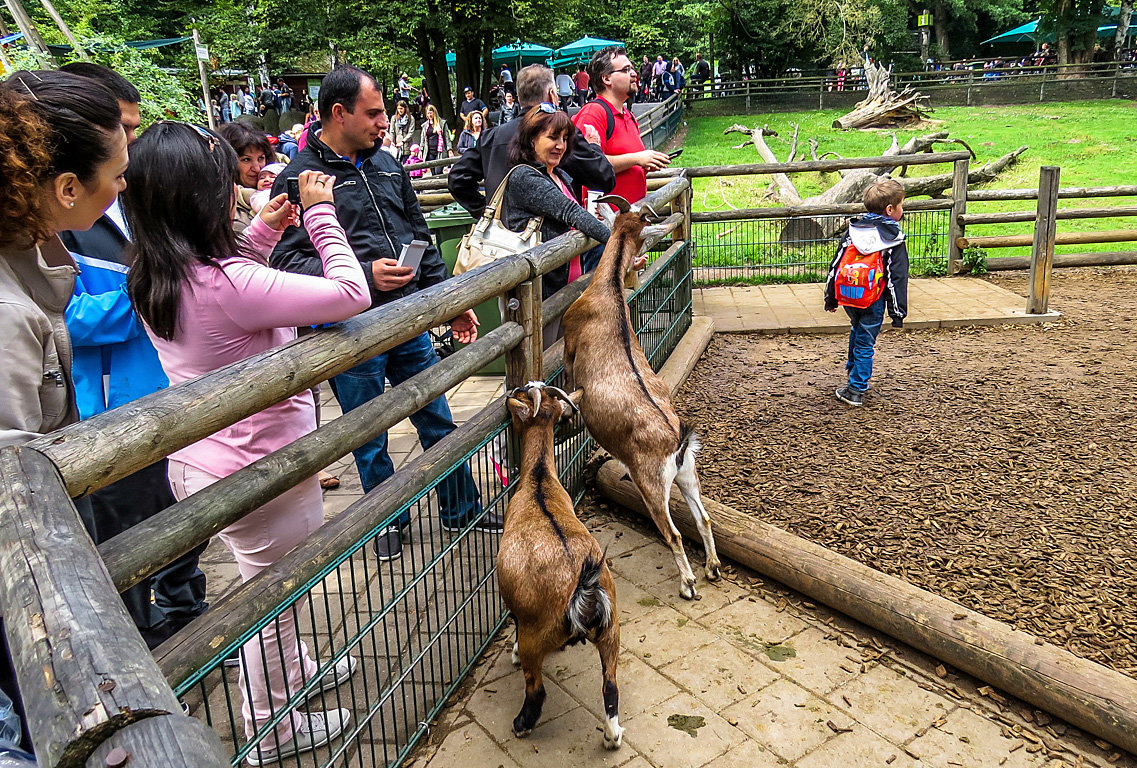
[(551, 571), (626, 406)]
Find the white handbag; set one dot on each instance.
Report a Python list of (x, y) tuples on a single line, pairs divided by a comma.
[(489, 239)]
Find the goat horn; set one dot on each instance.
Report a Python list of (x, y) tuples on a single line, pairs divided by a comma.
[(617, 201), (561, 394), (535, 388)]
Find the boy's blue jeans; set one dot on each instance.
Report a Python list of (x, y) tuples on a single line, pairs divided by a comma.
[(862, 342), (458, 496)]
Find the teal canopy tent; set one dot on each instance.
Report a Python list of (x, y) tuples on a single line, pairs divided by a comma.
[(139, 44), (519, 54), (1030, 32), (579, 52)]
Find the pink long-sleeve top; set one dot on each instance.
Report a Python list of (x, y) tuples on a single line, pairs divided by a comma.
[(246, 307)]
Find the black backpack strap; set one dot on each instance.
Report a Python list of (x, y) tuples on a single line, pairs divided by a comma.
[(610, 126)]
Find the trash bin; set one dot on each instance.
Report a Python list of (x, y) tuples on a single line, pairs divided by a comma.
[(449, 225)]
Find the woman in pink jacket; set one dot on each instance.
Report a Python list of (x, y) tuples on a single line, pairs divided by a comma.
[(209, 299)]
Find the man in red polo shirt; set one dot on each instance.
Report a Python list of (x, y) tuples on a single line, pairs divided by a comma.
[(608, 122)]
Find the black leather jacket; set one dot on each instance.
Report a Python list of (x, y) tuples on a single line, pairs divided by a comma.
[(585, 165), (377, 209)]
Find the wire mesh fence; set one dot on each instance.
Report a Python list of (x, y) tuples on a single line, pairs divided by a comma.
[(390, 639), (756, 251)]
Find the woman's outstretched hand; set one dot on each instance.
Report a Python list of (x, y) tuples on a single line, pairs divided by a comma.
[(280, 214), (316, 187)]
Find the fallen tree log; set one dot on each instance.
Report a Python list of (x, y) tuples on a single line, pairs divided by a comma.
[(1089, 695), (883, 107)]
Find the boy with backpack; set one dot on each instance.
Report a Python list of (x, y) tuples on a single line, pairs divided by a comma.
[(868, 275)]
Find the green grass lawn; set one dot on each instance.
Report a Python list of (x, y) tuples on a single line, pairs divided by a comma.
[(1094, 142)]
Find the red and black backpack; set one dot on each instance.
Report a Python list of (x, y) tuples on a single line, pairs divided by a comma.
[(860, 278)]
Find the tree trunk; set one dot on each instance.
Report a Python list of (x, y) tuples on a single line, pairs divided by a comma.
[(1122, 27), (939, 23)]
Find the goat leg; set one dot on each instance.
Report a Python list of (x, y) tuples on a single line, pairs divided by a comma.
[(608, 644), (656, 499), (688, 482), (531, 659)]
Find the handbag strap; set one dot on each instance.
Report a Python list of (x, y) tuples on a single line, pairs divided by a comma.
[(492, 211)]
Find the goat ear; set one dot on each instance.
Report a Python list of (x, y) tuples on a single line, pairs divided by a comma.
[(575, 397), (519, 409)]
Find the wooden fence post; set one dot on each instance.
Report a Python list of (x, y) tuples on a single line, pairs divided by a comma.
[(958, 208), (523, 306), (1045, 229), (84, 672)]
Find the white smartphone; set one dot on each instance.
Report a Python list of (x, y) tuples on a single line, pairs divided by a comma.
[(412, 254)]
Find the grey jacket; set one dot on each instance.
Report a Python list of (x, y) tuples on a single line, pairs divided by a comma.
[(403, 135), (36, 393)]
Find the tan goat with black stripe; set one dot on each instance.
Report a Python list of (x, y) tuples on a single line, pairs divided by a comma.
[(626, 406)]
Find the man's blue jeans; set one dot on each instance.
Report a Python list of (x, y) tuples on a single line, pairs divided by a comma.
[(862, 343), (457, 494)]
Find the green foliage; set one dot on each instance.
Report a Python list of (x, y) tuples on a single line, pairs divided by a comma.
[(975, 260)]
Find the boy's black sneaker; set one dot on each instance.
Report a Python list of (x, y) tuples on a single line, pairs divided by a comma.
[(851, 397), (388, 544), (489, 522)]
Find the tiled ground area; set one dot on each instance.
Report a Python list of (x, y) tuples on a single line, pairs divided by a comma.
[(933, 303), (760, 676)]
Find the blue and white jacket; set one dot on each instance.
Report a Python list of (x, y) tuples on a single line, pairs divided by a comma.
[(114, 361), (873, 232)]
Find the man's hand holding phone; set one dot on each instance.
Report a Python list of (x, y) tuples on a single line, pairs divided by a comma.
[(388, 275)]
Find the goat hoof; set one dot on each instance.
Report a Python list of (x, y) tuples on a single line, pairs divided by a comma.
[(614, 740), (513, 657), (713, 572), (687, 590), (522, 733)]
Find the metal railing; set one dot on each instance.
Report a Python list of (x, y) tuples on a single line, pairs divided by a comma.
[(797, 243), (415, 625)]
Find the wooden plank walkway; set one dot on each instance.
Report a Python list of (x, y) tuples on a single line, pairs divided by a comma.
[(940, 302)]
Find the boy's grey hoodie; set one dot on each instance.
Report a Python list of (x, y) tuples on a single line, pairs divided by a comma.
[(874, 232)]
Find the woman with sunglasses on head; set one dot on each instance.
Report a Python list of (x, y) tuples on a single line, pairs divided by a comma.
[(539, 188), (209, 299)]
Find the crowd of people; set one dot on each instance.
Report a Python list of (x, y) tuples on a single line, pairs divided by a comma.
[(194, 257)]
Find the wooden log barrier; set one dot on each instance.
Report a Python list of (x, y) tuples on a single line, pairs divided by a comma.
[(149, 546), (84, 671), (1097, 699), (1102, 259), (1062, 238)]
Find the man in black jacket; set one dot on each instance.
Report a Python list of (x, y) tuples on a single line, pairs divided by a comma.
[(380, 214), (490, 160)]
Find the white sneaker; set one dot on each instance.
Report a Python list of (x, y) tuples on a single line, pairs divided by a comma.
[(336, 676), (316, 729)]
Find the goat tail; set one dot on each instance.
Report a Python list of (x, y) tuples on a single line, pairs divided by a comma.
[(590, 606), (689, 445)]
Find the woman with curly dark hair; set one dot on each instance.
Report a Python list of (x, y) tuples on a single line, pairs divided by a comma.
[(254, 152), (62, 160), (62, 163)]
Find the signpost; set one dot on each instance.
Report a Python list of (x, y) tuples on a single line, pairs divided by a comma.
[(202, 58)]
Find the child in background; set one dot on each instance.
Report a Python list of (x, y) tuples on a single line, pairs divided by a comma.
[(414, 157), (875, 232), (265, 181)]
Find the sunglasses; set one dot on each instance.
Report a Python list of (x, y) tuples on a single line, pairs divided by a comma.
[(210, 139), (628, 70)]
